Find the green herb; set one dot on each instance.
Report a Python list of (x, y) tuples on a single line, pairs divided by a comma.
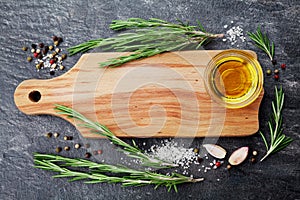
[(262, 41), (98, 172), (278, 140), (148, 38), (131, 151)]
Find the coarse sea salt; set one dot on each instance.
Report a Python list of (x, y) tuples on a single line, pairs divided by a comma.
[(172, 152), (234, 34)]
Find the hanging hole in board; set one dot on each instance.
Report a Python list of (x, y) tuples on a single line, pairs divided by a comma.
[(35, 96)]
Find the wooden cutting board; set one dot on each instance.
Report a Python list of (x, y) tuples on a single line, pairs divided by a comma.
[(161, 96)]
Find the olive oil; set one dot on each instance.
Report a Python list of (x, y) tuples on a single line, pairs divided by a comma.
[(233, 78)]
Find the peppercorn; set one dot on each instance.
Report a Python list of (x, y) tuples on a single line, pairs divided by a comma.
[(32, 50), (48, 135), (276, 71), (35, 55), (58, 149), (87, 155), (59, 39), (38, 51), (56, 134), (228, 167), (38, 66), (283, 66), (41, 45), (53, 66), (29, 59), (68, 137), (254, 153), (50, 56), (67, 148), (54, 53), (50, 47), (196, 150), (276, 76), (61, 67), (56, 43), (57, 50), (51, 61), (46, 47), (218, 164), (253, 160), (33, 46), (40, 56), (77, 146), (269, 72), (274, 62), (64, 56), (24, 48), (200, 159), (45, 51), (52, 73), (54, 38), (99, 151)]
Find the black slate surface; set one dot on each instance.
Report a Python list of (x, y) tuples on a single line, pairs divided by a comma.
[(24, 22)]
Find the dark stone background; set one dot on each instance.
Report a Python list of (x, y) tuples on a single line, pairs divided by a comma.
[(24, 22)]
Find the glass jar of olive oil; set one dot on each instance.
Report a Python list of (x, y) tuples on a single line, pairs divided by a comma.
[(234, 78)]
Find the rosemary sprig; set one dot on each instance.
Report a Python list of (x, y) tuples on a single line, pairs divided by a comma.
[(263, 42), (148, 38), (131, 151), (278, 140), (98, 172)]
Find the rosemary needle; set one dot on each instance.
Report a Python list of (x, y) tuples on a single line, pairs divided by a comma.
[(131, 151), (278, 140)]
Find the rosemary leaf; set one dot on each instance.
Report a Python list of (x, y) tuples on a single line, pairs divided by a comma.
[(278, 140), (148, 38), (132, 151), (262, 41), (98, 172)]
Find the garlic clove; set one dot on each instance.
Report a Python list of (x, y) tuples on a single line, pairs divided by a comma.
[(215, 150), (238, 156)]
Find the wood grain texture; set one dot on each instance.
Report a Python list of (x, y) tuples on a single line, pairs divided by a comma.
[(161, 96)]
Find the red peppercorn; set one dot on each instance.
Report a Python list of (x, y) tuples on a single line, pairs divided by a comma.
[(52, 61), (283, 66), (276, 76), (218, 164), (35, 55)]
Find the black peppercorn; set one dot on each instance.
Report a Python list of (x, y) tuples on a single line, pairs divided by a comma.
[(45, 51), (274, 62), (40, 56), (33, 46), (200, 159), (87, 155), (59, 39), (52, 73), (54, 38), (41, 45)]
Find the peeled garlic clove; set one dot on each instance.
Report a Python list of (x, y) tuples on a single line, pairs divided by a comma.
[(215, 150), (238, 156)]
